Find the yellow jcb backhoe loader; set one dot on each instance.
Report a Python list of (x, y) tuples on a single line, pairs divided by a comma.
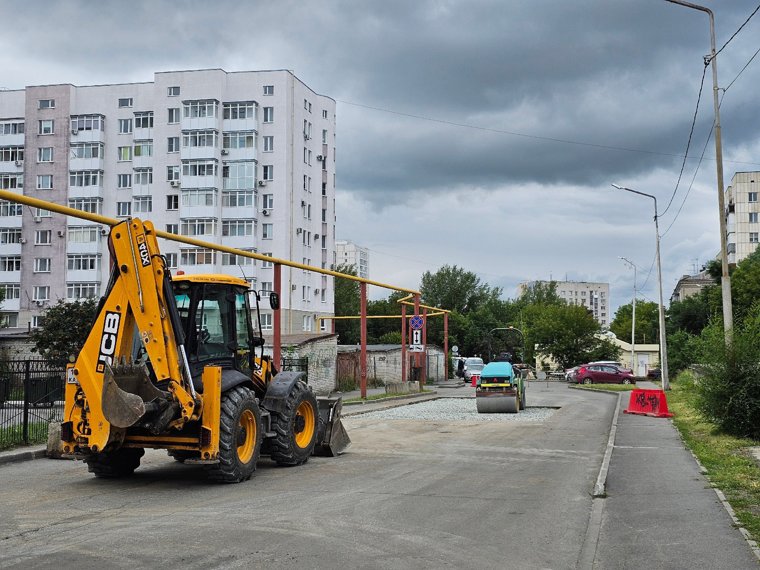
[(172, 363)]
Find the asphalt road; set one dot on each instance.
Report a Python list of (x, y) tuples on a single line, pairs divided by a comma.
[(407, 494)]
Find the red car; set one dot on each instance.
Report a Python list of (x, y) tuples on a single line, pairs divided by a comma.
[(603, 374)]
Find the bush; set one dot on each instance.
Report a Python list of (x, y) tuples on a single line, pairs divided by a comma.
[(729, 393)]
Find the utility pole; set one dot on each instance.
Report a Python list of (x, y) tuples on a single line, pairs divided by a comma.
[(634, 367), (725, 281)]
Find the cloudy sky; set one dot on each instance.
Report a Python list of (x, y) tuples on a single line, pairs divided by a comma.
[(480, 133)]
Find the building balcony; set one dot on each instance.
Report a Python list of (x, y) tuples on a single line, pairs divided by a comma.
[(199, 123), (199, 152), (12, 140), (12, 166), (10, 277), (11, 305), (240, 242), (238, 153), (87, 136), (240, 212), (240, 124), (10, 221), (197, 212), (200, 181), (85, 192), (83, 276), (86, 164)]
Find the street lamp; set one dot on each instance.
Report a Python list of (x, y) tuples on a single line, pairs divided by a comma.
[(633, 317), (663, 342), (725, 281)]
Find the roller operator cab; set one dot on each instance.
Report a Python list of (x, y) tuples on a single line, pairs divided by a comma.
[(176, 363), (500, 389)]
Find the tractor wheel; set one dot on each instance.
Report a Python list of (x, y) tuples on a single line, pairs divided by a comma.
[(114, 464), (296, 427), (240, 437)]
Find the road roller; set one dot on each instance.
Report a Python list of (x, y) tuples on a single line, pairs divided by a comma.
[(500, 389)]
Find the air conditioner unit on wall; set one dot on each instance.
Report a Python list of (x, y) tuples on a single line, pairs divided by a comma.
[(316, 291), (320, 157), (19, 163), (75, 132), (174, 183), (299, 230), (262, 183), (265, 212), (225, 151)]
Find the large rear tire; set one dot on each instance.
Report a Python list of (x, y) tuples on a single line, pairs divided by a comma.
[(296, 427), (114, 464), (240, 437)]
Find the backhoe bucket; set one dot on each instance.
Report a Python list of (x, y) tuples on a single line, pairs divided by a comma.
[(332, 439), (126, 389)]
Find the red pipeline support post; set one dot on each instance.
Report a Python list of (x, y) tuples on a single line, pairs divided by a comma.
[(417, 354), (445, 346), (332, 326), (363, 362), (276, 321), (404, 343), (424, 343)]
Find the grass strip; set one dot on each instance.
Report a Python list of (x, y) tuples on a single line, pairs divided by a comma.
[(729, 465)]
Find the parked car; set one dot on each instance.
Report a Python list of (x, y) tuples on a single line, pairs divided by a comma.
[(654, 374), (570, 374), (472, 365), (603, 374)]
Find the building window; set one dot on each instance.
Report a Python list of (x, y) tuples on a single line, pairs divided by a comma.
[(268, 144), (124, 180), (173, 115), (238, 175), (308, 322), (232, 259), (266, 231), (239, 110), (10, 235), (237, 198), (43, 237), (85, 178), (267, 172), (172, 173), (44, 181), (81, 290), (46, 127), (10, 290), (266, 287), (324, 136), (143, 204), (172, 202), (11, 128), (144, 120), (237, 228), (172, 92), (753, 217), (125, 126), (83, 262), (324, 113), (268, 89), (125, 102), (199, 197), (268, 114), (171, 260), (752, 196), (753, 237), (12, 154), (91, 205), (206, 138), (45, 154), (172, 144), (197, 256), (87, 150), (143, 176), (9, 209), (267, 201), (46, 104), (87, 123), (172, 228), (200, 109), (83, 234), (143, 148), (266, 321), (123, 209), (305, 290), (199, 168), (267, 264), (41, 293), (239, 139), (124, 153), (10, 263), (198, 227)]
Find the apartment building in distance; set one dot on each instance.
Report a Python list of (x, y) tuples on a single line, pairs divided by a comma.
[(594, 296), (742, 215), (243, 159), (348, 253)]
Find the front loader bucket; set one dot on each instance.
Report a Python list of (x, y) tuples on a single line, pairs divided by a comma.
[(126, 389), (332, 439)]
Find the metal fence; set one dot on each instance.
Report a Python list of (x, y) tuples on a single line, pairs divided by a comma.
[(295, 365), (31, 396)]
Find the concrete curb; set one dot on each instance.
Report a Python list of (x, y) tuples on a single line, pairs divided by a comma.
[(601, 479), (359, 408), (23, 454)]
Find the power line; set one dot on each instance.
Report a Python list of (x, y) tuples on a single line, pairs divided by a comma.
[(742, 71), (688, 143), (524, 135), (707, 60)]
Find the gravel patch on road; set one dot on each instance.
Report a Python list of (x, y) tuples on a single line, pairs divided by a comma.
[(455, 409)]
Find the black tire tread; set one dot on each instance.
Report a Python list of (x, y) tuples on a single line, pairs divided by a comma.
[(114, 464), (229, 469), (283, 448)]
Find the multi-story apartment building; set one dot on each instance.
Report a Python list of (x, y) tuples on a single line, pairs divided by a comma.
[(348, 253), (742, 215), (594, 296), (244, 159)]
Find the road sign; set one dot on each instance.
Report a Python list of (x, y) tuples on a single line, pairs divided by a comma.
[(417, 345), (416, 322), (417, 348)]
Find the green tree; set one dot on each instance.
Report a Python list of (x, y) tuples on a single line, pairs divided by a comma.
[(570, 334), (64, 330), (647, 322), (540, 293), (745, 285), (455, 289), (690, 315), (347, 303)]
